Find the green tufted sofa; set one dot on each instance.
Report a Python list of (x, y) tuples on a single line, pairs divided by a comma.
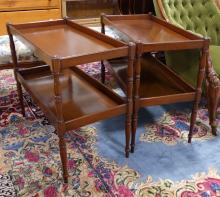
[(200, 17)]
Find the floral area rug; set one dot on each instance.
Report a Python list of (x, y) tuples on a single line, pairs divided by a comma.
[(30, 154), (30, 162), (173, 127)]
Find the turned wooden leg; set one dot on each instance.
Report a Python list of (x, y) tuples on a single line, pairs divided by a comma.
[(56, 67), (127, 133), (129, 98), (102, 23), (134, 117), (198, 93), (102, 72), (137, 70), (20, 96), (213, 94), (102, 63), (63, 156), (212, 101), (15, 63), (134, 124)]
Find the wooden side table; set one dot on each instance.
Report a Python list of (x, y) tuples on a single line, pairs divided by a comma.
[(69, 97), (155, 83)]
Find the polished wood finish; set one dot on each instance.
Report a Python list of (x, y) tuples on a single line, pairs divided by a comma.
[(12, 5), (155, 77), (213, 94), (129, 101), (26, 16), (65, 34), (200, 78), (88, 98), (155, 84), (22, 11), (212, 80), (69, 97), (59, 109), (21, 65), (15, 64), (153, 33)]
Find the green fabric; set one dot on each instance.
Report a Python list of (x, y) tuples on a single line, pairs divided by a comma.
[(156, 8), (185, 63), (200, 17), (215, 56)]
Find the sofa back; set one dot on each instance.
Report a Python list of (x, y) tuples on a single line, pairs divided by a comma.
[(199, 16)]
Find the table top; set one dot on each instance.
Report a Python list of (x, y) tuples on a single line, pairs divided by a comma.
[(147, 31), (150, 30), (64, 39)]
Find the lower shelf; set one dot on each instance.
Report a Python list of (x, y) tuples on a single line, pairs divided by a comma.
[(158, 83), (84, 99)]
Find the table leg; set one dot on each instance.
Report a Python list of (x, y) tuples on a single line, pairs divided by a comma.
[(129, 94), (60, 120), (137, 70), (20, 95), (15, 63), (102, 64), (63, 152), (102, 72), (200, 78), (213, 94)]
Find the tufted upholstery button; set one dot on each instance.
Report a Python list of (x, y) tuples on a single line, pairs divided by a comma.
[(200, 16)]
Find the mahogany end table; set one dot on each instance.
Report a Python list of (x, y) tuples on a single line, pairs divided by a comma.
[(69, 97), (154, 82)]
